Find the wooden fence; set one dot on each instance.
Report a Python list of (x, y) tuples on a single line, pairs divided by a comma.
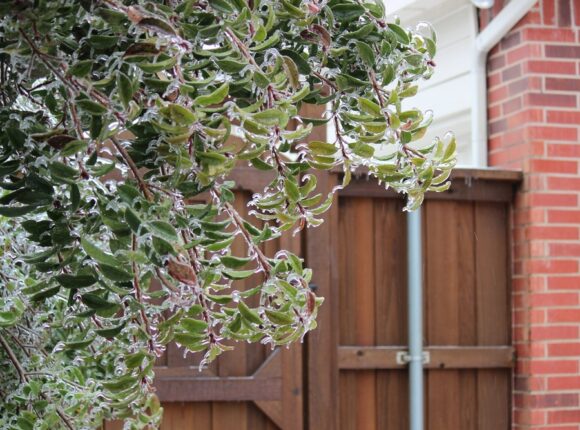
[(346, 375)]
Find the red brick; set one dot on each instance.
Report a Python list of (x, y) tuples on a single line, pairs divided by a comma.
[(549, 34), (564, 315), (493, 112), (510, 154), (527, 83), (536, 232), (512, 105), (544, 300), (562, 150), (524, 52), (564, 283), (563, 51), (497, 94), (550, 99), (549, 12), (563, 84), (497, 126), (563, 117), (552, 200), (564, 349), (511, 40), (529, 215), (549, 400), (564, 383), (577, 14), (554, 333), (551, 266), (564, 13), (550, 67), (565, 250), (550, 367), (553, 166), (564, 183), (496, 63), (553, 427), (564, 416), (512, 72), (529, 417), (532, 17), (494, 79), (554, 133)]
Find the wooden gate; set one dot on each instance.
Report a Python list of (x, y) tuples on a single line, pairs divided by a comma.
[(355, 380)]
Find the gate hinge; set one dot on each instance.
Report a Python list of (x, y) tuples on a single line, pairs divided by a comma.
[(403, 357)]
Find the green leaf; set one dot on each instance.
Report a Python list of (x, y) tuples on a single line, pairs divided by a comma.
[(110, 332), (369, 107), (73, 147), (132, 220), (268, 43), (366, 53), (362, 150), (159, 66), (232, 262), (76, 281), (97, 253), (400, 33), (347, 11), (75, 198), (193, 325), (272, 117), (124, 88), (61, 170), (231, 66), (114, 273), (16, 211), (301, 63), (248, 314), (238, 274), (292, 190), (91, 107), (291, 72), (279, 318), (44, 294), (163, 230), (79, 344), (103, 42), (96, 302), (214, 97), (322, 148), (81, 68)]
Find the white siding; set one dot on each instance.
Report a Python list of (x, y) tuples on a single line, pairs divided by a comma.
[(447, 93)]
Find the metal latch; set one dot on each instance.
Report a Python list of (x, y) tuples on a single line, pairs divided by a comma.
[(403, 357)]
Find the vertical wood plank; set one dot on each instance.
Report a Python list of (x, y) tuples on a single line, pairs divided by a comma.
[(347, 309), (493, 305), (187, 416), (234, 363), (390, 252), (361, 255), (292, 372), (321, 348), (450, 303), (357, 323)]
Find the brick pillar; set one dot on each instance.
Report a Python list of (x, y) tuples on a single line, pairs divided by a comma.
[(534, 118)]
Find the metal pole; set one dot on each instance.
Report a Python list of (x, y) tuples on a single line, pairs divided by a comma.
[(415, 318)]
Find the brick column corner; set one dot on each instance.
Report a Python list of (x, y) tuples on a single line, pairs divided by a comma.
[(534, 125)]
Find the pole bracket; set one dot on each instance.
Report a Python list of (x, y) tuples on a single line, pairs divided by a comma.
[(403, 358)]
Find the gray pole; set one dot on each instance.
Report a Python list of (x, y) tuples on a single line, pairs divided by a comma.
[(415, 311)]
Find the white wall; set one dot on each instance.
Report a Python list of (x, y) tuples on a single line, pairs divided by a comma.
[(448, 92)]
